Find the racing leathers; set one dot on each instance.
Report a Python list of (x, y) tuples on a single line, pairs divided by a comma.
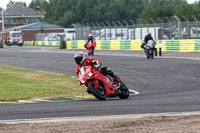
[(146, 39), (90, 38), (94, 63), (90, 43)]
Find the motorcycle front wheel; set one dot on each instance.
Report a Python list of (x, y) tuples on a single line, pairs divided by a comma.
[(147, 54), (124, 91), (99, 93)]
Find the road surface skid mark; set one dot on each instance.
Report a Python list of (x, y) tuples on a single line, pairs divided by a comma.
[(51, 100)]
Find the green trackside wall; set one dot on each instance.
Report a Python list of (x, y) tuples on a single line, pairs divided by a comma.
[(42, 43), (28, 43), (107, 44), (167, 45)]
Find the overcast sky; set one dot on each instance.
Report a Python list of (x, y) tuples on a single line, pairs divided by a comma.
[(3, 3)]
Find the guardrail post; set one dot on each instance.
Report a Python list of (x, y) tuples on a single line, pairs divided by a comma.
[(160, 48), (156, 50)]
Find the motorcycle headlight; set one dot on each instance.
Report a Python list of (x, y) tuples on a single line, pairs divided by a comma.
[(83, 81), (89, 75)]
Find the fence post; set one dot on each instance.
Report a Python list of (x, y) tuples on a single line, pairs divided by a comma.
[(138, 21), (179, 27), (154, 24), (104, 29), (147, 24), (170, 25), (121, 29), (188, 30), (99, 30), (133, 28), (115, 29), (127, 29), (196, 26), (93, 28), (162, 28), (110, 28)]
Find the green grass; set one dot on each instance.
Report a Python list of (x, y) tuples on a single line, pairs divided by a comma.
[(19, 84)]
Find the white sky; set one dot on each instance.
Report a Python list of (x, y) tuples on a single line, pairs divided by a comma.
[(3, 3)]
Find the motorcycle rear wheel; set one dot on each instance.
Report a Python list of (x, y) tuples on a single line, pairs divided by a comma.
[(99, 93), (124, 91), (92, 51)]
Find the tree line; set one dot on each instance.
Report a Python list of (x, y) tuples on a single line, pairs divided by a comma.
[(68, 12)]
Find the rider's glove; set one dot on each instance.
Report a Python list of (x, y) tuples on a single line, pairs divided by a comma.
[(97, 66)]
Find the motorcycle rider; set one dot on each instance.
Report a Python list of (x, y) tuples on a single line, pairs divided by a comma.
[(89, 38), (80, 60), (146, 39)]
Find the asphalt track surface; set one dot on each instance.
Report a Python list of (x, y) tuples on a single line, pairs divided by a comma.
[(165, 84)]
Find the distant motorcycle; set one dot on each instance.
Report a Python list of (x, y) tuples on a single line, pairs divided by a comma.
[(150, 49), (90, 48), (102, 86)]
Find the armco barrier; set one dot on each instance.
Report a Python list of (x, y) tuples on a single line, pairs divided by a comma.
[(28, 43), (172, 45), (167, 45), (47, 43), (197, 45)]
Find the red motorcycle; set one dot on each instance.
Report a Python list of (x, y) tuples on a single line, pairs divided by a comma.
[(90, 47), (102, 86)]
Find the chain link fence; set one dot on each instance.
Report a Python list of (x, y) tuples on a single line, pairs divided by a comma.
[(126, 31)]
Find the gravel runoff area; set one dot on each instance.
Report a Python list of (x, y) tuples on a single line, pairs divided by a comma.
[(147, 123)]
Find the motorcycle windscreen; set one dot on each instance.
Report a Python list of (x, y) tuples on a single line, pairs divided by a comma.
[(84, 73), (83, 70), (150, 43)]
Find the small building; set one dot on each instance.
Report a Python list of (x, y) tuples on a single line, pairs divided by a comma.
[(30, 30), (18, 14)]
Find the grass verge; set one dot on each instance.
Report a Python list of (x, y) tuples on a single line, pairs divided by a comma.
[(19, 84)]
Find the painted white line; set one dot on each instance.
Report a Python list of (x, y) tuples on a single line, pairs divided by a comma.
[(183, 58), (135, 92)]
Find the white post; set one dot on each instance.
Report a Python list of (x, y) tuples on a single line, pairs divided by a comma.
[(160, 47)]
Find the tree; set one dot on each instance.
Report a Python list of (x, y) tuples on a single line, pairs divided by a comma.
[(10, 3), (67, 12), (186, 10)]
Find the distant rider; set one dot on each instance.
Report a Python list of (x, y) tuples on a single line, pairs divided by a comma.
[(91, 39), (80, 60), (146, 39)]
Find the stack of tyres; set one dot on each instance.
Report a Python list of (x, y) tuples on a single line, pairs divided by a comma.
[(62, 44)]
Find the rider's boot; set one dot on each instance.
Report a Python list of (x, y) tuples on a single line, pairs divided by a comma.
[(114, 76)]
